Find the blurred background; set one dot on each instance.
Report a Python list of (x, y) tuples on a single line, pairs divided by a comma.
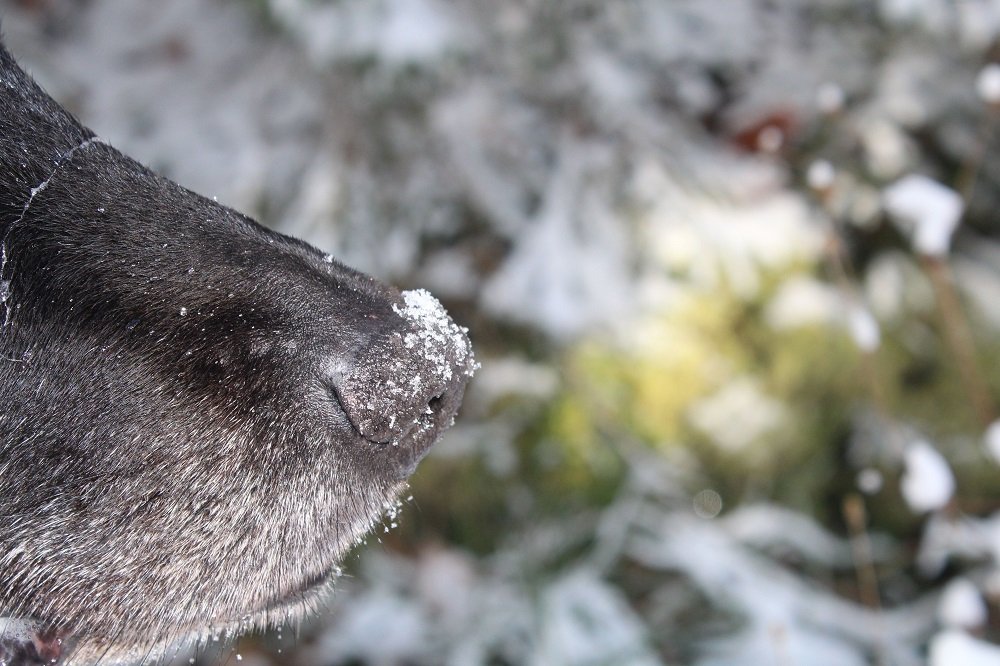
[(732, 270)]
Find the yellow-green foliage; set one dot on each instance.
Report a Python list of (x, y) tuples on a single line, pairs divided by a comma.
[(641, 388), (643, 385)]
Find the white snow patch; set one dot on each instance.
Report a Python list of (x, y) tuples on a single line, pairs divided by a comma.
[(988, 83), (587, 621), (830, 98), (820, 175), (961, 605), (927, 482), (870, 481), (394, 32), (978, 24), (803, 301), (926, 210), (569, 270), (953, 647), (782, 613), (445, 583), (765, 527), (948, 538), (512, 376), (863, 327), (888, 151), (725, 233), (452, 273), (609, 80), (435, 335), (363, 633), (992, 440), (738, 415)]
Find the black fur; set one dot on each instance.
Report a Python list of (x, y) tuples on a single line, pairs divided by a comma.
[(182, 397)]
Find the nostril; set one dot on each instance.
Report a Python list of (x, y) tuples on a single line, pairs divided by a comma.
[(383, 419), (435, 404), (433, 410)]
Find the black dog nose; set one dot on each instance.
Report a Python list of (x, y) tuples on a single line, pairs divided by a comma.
[(409, 383)]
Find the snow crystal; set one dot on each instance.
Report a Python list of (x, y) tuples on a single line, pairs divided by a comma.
[(820, 175), (927, 482), (391, 511), (978, 24), (952, 647), (988, 83), (436, 333), (927, 210), (962, 605)]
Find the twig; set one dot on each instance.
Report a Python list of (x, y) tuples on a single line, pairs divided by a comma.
[(959, 338), (846, 279), (856, 519)]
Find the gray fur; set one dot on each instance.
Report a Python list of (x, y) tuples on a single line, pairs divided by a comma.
[(190, 401)]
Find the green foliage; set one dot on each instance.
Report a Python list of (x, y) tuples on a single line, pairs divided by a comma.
[(459, 501), (642, 387)]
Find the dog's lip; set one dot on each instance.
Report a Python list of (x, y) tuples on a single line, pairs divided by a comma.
[(313, 583), (311, 586), (407, 452)]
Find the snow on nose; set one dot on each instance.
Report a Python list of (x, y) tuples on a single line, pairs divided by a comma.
[(409, 382)]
